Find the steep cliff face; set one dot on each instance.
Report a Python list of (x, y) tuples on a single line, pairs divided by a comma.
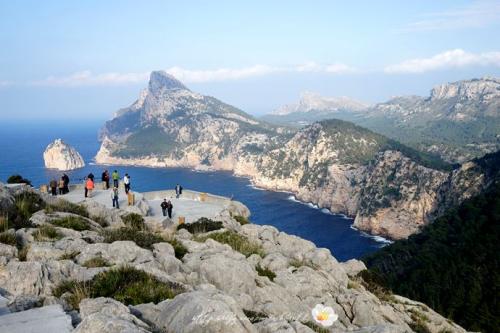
[(391, 189), (61, 156)]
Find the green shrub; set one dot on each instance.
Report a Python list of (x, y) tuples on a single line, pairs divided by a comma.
[(241, 219), (100, 219), (125, 284), (374, 284), (46, 233), (72, 222), (67, 207), (96, 262), (180, 250), (144, 239), (201, 226), (265, 272), (69, 255), (23, 253), (315, 328), (134, 221), (237, 242), (254, 316), (25, 205), (78, 290), (8, 238), (18, 179)]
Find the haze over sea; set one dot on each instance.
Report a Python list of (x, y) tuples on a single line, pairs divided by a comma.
[(21, 151)]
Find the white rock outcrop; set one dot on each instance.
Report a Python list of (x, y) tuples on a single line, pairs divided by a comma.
[(61, 156)]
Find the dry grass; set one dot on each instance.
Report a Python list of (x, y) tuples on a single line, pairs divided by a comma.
[(237, 242)]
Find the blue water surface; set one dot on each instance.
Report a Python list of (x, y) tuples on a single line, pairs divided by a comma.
[(21, 151)]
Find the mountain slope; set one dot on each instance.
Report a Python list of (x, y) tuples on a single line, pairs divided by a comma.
[(456, 258), (391, 189), (459, 120)]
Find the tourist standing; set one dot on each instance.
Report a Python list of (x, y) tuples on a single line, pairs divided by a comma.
[(178, 191), (53, 186), (61, 186), (105, 179), (114, 197), (116, 176), (89, 186), (169, 209), (91, 176), (164, 207), (66, 183), (126, 183)]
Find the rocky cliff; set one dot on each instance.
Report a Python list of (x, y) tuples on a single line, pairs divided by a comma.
[(61, 156), (391, 189), (459, 120), (235, 278)]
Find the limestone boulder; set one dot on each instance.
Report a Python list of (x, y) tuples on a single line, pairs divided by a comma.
[(273, 325), (199, 312)]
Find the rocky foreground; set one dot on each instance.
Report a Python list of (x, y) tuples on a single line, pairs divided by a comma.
[(109, 273)]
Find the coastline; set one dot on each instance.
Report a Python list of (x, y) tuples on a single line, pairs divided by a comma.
[(252, 184)]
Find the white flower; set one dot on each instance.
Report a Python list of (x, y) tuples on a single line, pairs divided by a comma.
[(324, 315)]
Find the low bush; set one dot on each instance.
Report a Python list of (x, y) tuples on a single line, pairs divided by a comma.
[(72, 222), (96, 262), (8, 238), (134, 221), (25, 205), (316, 328), (180, 250), (100, 219), (144, 239), (46, 233), (18, 179), (241, 219), (67, 207), (23, 253), (255, 316), (69, 255), (125, 284), (265, 272), (237, 242), (373, 283), (202, 225), (78, 290)]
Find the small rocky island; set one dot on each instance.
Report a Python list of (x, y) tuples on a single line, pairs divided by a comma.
[(61, 156), (78, 265)]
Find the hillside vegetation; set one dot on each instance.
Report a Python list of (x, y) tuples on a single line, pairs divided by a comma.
[(452, 265)]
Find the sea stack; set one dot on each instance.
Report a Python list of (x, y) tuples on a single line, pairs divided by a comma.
[(61, 156)]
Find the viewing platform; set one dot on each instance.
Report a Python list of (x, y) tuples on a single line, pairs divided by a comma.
[(188, 208)]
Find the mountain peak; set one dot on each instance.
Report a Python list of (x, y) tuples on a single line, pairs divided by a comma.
[(161, 80), (473, 89)]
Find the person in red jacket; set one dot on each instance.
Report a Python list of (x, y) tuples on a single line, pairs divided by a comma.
[(89, 186)]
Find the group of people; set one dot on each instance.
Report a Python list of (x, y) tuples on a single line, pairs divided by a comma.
[(167, 206), (105, 178), (62, 185)]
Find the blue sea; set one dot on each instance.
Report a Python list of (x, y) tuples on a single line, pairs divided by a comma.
[(21, 151)]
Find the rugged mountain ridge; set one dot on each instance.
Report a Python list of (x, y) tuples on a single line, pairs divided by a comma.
[(391, 189), (459, 120)]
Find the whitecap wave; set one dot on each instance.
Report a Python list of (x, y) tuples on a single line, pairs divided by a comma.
[(255, 187), (378, 239)]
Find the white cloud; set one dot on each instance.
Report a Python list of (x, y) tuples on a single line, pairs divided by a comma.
[(446, 60), (221, 74), (5, 83), (477, 14), (87, 78)]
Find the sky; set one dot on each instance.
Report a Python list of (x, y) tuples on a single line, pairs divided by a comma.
[(86, 59)]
